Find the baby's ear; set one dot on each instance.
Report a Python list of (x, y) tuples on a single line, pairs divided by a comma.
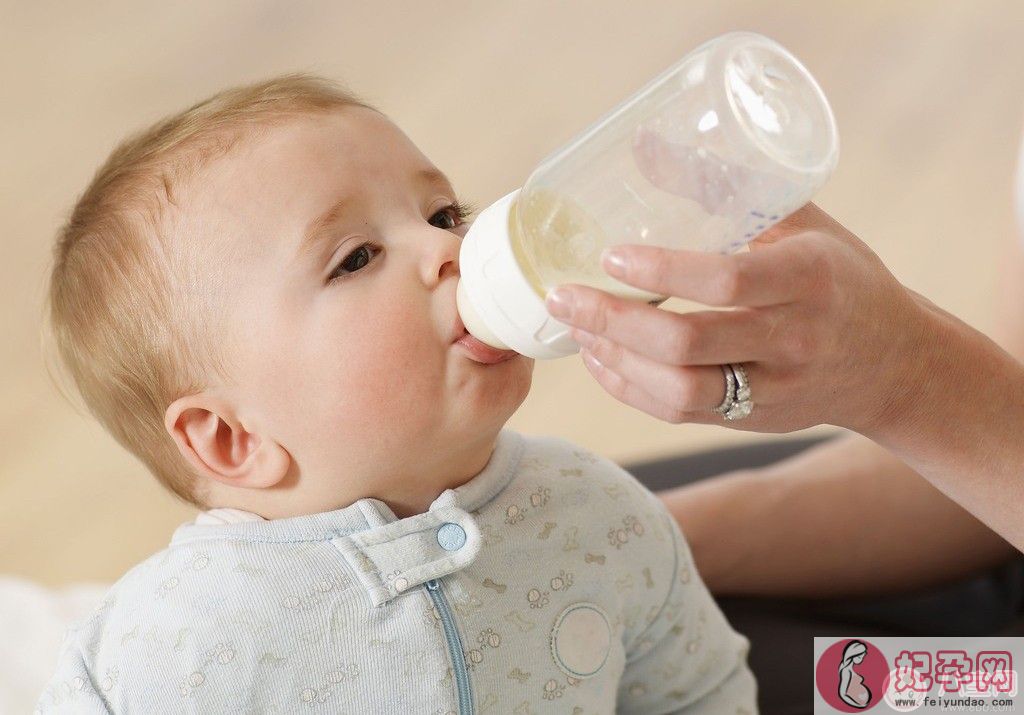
[(214, 441)]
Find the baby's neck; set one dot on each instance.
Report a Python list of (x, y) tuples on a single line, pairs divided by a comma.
[(406, 494)]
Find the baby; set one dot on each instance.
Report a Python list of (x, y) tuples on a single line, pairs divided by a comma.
[(256, 297)]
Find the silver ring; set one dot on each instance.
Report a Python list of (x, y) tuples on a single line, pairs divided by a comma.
[(742, 405), (730, 391)]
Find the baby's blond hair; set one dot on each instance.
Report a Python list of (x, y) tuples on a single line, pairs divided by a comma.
[(133, 321)]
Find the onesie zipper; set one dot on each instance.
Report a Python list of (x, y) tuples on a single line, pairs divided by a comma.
[(454, 646)]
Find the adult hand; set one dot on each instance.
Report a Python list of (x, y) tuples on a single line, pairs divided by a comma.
[(824, 330)]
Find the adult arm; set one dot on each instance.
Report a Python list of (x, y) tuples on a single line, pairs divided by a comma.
[(845, 517), (962, 427)]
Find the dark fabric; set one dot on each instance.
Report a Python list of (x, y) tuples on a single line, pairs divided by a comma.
[(781, 631)]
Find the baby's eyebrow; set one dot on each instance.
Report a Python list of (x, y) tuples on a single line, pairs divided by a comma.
[(318, 230)]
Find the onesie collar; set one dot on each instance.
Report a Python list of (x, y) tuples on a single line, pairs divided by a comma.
[(388, 555)]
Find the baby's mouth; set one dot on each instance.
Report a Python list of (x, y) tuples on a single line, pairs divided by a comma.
[(483, 353), (477, 350)]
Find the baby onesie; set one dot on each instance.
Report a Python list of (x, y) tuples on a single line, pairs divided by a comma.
[(551, 582)]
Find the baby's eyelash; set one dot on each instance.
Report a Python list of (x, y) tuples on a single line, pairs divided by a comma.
[(463, 209)]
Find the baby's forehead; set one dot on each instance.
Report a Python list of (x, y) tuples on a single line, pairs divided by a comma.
[(354, 146), (283, 175)]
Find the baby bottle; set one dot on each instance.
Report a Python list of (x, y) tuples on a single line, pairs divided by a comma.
[(714, 150)]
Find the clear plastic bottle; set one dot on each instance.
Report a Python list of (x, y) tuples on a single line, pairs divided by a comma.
[(713, 151)]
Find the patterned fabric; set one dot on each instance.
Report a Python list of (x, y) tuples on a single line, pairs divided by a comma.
[(561, 585)]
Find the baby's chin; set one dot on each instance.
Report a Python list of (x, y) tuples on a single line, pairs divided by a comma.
[(496, 391)]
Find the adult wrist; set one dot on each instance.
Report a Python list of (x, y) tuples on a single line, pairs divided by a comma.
[(953, 378), (905, 374)]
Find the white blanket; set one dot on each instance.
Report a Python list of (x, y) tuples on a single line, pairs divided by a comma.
[(33, 620)]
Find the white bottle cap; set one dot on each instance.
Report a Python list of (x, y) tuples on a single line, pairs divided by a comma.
[(495, 300)]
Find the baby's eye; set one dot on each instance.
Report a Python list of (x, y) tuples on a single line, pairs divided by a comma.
[(445, 213), (456, 213), (354, 261)]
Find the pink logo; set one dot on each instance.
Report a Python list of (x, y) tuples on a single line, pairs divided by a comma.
[(985, 673), (851, 675)]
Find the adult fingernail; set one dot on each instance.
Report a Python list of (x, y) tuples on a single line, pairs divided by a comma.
[(559, 303), (591, 360), (614, 263)]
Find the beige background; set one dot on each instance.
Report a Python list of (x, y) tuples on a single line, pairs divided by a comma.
[(927, 97)]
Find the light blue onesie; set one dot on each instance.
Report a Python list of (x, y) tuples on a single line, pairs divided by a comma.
[(552, 582)]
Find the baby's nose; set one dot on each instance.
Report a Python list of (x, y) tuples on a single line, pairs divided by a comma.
[(441, 259)]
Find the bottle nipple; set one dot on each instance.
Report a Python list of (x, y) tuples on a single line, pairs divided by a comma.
[(475, 326)]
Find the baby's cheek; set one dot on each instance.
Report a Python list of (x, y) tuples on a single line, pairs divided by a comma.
[(392, 371)]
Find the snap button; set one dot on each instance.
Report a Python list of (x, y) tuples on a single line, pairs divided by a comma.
[(451, 537)]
